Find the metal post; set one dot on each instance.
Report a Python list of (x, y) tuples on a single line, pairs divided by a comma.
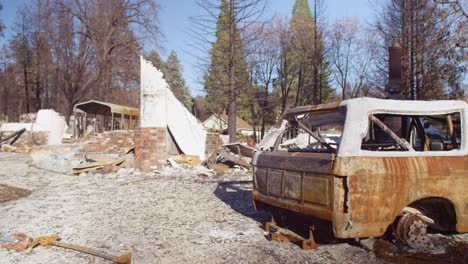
[(112, 122), (130, 122), (85, 124)]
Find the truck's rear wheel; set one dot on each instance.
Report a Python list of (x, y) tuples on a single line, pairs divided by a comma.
[(411, 229)]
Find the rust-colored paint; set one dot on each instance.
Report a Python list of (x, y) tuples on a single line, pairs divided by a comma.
[(360, 195), (377, 194), (363, 202), (296, 181)]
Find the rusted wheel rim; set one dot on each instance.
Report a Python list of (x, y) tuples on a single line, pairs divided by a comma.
[(412, 230)]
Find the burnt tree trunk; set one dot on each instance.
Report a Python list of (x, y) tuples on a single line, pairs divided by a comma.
[(232, 108), (316, 62), (26, 88)]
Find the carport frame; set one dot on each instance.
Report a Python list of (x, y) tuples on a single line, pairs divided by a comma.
[(110, 110)]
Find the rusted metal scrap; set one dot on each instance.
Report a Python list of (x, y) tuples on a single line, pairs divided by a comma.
[(18, 242), (287, 236), (23, 242), (47, 241)]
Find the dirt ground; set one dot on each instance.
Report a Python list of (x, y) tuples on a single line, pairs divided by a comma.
[(9, 193), (173, 216)]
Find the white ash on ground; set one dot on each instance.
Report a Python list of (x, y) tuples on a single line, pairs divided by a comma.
[(170, 216), (56, 159)]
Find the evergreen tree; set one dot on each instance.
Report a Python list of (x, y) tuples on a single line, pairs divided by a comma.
[(311, 85), (301, 12), (173, 76), (172, 72), (217, 76), (302, 38), (325, 90), (154, 57)]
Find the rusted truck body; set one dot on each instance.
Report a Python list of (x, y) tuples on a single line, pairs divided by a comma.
[(359, 163)]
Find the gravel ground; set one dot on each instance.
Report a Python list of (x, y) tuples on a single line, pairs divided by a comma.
[(171, 217)]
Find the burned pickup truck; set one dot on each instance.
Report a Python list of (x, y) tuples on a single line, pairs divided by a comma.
[(369, 167)]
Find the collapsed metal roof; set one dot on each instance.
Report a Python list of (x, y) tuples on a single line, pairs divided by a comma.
[(104, 108)]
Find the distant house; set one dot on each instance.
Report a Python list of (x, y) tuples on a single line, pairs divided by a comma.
[(218, 122)]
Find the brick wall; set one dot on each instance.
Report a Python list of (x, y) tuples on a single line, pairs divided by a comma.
[(150, 148), (115, 142), (28, 138), (212, 142)]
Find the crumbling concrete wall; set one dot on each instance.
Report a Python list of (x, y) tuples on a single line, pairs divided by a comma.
[(48, 129), (28, 139)]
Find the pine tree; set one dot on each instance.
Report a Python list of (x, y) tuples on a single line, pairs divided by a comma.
[(154, 57), (172, 72), (301, 12), (325, 90), (217, 77), (311, 76), (302, 28), (173, 76)]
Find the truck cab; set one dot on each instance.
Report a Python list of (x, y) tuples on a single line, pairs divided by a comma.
[(364, 163)]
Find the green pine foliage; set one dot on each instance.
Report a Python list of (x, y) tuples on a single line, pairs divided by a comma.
[(217, 76), (301, 12), (172, 71), (154, 57), (173, 75), (305, 57)]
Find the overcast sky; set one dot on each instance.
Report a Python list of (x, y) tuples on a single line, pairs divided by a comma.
[(174, 19)]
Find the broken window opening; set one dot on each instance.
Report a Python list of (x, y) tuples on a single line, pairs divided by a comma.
[(389, 132), (312, 132)]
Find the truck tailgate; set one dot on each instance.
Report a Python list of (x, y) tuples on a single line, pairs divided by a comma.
[(298, 181)]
